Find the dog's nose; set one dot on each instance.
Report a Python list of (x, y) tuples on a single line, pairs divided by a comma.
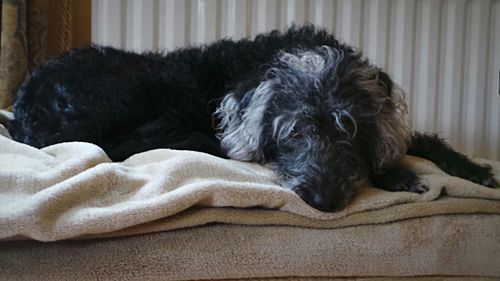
[(323, 203), (318, 201)]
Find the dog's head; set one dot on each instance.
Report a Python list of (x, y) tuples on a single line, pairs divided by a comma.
[(323, 117)]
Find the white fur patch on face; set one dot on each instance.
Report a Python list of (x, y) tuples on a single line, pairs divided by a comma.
[(241, 130), (312, 61), (309, 62)]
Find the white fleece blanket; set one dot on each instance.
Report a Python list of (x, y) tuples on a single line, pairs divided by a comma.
[(72, 189)]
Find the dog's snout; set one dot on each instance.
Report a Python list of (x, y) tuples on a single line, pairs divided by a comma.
[(323, 203), (319, 200)]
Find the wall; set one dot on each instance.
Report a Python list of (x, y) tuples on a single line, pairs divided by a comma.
[(445, 54)]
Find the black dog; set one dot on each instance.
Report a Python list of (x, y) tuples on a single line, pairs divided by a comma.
[(321, 113)]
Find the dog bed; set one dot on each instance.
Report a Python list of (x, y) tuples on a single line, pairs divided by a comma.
[(182, 215)]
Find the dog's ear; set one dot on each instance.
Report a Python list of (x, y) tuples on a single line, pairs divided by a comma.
[(391, 145), (241, 115)]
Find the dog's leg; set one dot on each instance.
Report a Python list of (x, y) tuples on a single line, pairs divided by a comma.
[(399, 179), (433, 148)]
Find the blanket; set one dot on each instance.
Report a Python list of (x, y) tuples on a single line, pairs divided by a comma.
[(73, 190)]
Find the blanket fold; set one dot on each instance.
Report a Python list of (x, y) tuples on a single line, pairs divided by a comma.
[(70, 190)]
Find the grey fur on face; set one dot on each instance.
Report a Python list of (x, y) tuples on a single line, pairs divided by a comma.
[(311, 115), (241, 129)]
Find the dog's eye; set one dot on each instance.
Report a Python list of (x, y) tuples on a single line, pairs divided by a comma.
[(345, 123), (296, 133)]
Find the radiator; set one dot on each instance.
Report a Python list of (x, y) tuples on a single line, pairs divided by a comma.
[(444, 54)]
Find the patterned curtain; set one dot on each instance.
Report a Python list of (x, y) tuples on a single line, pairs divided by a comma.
[(31, 32), (23, 43)]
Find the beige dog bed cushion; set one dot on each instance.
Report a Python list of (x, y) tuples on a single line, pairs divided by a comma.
[(73, 191)]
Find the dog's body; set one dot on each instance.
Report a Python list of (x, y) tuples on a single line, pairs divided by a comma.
[(313, 107)]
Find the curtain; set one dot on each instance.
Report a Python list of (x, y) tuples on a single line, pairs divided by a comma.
[(31, 32)]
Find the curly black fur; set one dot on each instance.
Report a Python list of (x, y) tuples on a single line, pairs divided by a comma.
[(315, 108)]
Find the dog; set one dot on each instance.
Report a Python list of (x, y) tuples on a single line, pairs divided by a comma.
[(316, 110)]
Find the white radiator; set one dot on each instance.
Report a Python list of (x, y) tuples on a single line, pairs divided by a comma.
[(445, 54)]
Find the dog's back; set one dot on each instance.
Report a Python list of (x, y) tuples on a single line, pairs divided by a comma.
[(104, 95)]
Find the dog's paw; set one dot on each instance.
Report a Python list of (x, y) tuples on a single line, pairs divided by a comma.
[(490, 182), (485, 177), (399, 179), (416, 186)]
